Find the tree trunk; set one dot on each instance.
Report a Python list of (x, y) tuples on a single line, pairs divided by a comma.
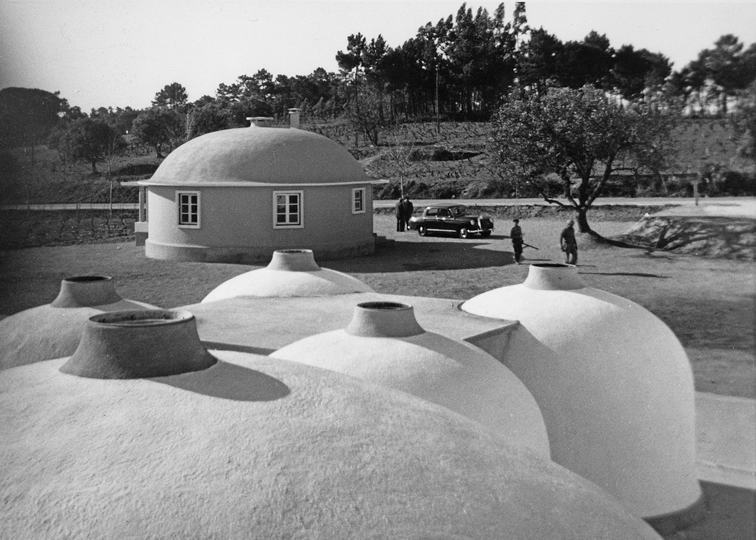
[(582, 221)]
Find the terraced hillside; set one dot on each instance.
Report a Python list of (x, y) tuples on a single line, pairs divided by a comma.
[(430, 161), (454, 161)]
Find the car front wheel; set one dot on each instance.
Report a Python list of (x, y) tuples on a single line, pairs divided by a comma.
[(422, 230), (464, 233)]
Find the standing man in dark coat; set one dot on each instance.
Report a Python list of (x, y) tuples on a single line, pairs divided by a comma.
[(568, 243), (408, 209), (400, 219), (516, 235)]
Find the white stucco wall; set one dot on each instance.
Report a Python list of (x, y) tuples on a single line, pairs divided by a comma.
[(236, 223)]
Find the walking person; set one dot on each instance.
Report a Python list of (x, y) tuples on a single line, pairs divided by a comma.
[(568, 243), (408, 209), (516, 236), (400, 219)]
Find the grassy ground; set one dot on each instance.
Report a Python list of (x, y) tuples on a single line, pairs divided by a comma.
[(708, 303)]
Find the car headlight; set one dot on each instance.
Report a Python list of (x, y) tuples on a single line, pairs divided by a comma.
[(473, 222)]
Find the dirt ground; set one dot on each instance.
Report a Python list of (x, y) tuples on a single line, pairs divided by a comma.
[(709, 303)]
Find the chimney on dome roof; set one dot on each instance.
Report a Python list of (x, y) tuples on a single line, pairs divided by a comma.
[(294, 118)]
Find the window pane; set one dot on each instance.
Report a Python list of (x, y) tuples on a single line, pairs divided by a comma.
[(359, 195), (288, 209), (188, 206)]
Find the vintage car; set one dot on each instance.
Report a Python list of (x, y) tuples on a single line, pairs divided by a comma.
[(451, 218)]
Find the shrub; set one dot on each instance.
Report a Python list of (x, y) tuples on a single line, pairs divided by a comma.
[(137, 169), (736, 184)]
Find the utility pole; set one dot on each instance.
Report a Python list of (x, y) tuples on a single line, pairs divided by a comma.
[(438, 117)]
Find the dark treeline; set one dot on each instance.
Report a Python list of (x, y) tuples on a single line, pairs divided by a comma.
[(461, 68)]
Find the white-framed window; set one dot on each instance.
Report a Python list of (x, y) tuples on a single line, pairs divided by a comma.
[(358, 200), (188, 203), (287, 209)]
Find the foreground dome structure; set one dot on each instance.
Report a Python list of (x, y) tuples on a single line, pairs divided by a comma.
[(107, 444), (290, 273), (384, 344), (614, 385), (54, 330), (237, 195)]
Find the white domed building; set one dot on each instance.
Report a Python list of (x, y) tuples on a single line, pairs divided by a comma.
[(143, 433), (238, 195), (614, 385), (385, 345), (290, 273)]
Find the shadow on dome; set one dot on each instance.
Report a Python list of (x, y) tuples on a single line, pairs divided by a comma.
[(229, 381), (440, 344), (234, 347)]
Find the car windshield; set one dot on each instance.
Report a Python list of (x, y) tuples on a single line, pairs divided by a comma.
[(457, 211)]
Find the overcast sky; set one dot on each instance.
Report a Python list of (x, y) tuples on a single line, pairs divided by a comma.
[(121, 52)]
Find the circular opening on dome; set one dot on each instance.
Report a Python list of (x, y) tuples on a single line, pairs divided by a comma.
[(141, 318), (260, 121), (87, 279), (552, 265), (384, 305)]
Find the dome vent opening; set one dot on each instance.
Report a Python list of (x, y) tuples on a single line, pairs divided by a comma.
[(142, 318), (384, 319), (384, 305), (260, 121), (553, 265), (86, 291), (293, 260), (553, 277), (87, 279), (138, 344)]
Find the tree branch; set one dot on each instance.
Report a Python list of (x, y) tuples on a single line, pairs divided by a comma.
[(604, 178)]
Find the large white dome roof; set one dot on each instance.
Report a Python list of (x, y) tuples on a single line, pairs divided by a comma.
[(614, 385), (261, 155), (384, 344), (143, 434), (291, 272)]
